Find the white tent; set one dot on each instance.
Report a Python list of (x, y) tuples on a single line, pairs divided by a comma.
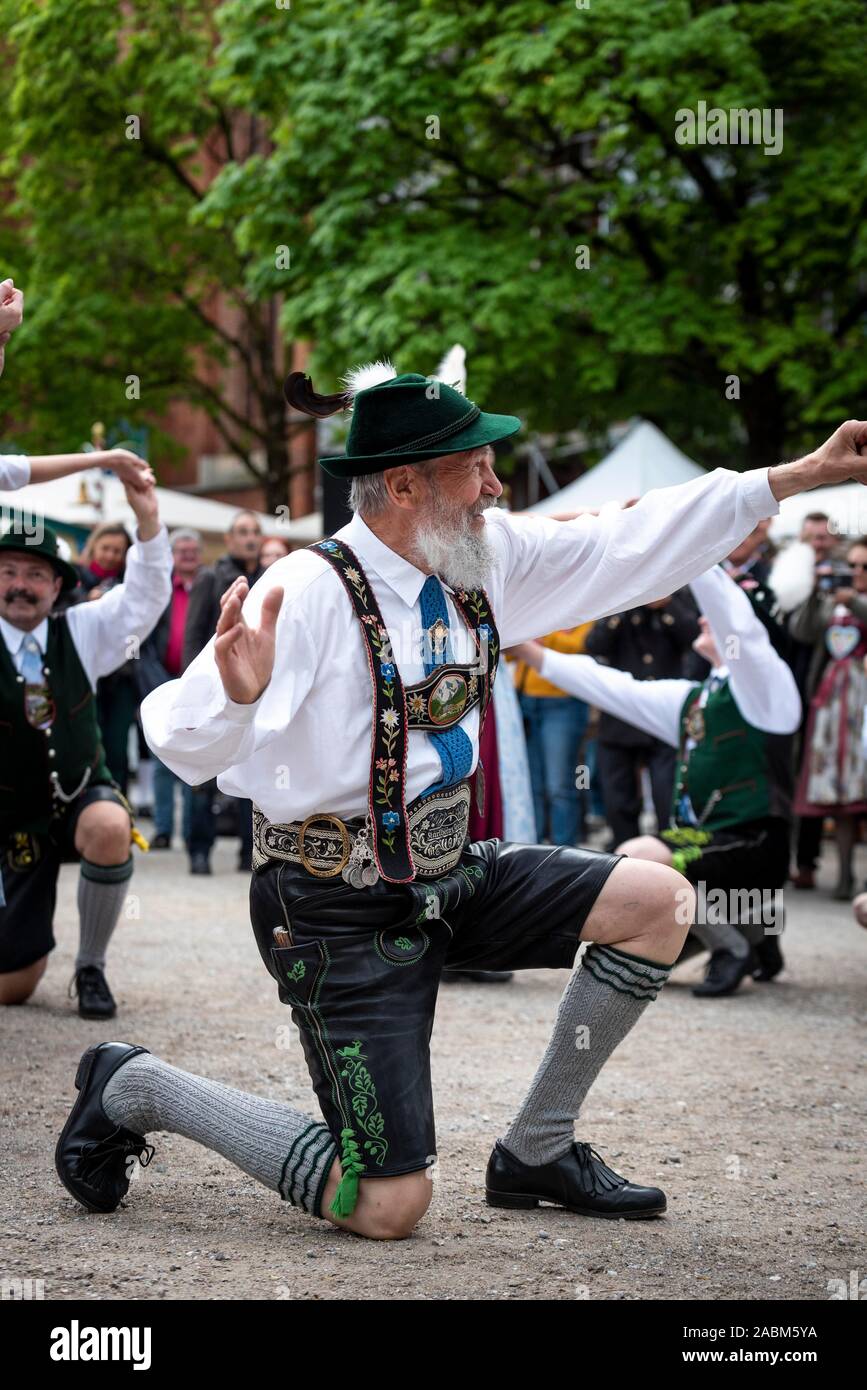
[(86, 499), (643, 459), (845, 504)]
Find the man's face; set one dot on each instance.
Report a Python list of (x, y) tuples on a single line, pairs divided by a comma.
[(817, 535), (187, 557), (450, 531), (244, 539), (29, 586), (857, 561)]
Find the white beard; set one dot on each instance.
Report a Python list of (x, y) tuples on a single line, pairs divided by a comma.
[(451, 548)]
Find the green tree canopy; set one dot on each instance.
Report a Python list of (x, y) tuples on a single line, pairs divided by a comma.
[(436, 166)]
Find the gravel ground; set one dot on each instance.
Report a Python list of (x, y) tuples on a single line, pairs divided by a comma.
[(749, 1111)]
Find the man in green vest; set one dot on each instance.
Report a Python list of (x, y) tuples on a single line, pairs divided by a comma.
[(58, 801), (731, 805)]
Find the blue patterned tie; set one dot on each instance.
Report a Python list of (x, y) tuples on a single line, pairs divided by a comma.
[(31, 660), (455, 749)]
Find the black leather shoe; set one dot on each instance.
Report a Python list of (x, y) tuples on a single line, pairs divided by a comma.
[(579, 1181), (724, 973), (769, 957), (200, 864), (92, 1154), (161, 842), (479, 977), (95, 999)]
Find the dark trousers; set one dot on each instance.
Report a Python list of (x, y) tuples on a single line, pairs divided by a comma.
[(203, 821), (619, 773), (809, 846)]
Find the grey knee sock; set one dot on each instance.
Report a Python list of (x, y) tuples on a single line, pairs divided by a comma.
[(605, 997), (101, 893), (277, 1145), (721, 936)]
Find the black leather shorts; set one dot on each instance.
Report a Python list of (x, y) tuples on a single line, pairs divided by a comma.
[(363, 968), (30, 868)]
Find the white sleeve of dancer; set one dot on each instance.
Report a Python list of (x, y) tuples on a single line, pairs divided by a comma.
[(762, 684), (197, 731), (561, 573), (14, 471), (653, 706), (109, 630)]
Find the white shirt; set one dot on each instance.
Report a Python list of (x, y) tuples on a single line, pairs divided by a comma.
[(304, 745), (106, 630), (761, 683), (14, 471)]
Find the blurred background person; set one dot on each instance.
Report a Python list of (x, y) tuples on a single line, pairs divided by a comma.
[(833, 773), (273, 548), (242, 559), (101, 568), (817, 534), (554, 726), (161, 660), (650, 643)]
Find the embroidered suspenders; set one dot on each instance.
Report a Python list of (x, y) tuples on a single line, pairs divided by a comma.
[(392, 720)]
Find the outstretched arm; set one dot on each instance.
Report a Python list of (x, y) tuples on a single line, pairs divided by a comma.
[(650, 705), (559, 574), (110, 631), (762, 684)]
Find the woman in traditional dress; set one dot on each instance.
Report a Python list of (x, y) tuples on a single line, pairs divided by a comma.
[(833, 776)]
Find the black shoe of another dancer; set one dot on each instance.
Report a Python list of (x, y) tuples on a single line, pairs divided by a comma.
[(245, 862), (769, 957), (161, 842), (200, 864), (95, 999), (480, 977), (579, 1181), (92, 1157), (724, 973)]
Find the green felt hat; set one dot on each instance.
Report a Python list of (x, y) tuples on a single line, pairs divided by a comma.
[(43, 543), (404, 420)]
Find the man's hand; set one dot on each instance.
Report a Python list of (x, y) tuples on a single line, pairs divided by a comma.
[(838, 460), (129, 468), (531, 652), (245, 655), (144, 504), (11, 315)]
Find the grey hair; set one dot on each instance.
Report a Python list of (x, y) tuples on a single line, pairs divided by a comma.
[(184, 533), (367, 493)]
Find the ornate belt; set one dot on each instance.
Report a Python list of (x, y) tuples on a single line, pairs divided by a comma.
[(326, 846)]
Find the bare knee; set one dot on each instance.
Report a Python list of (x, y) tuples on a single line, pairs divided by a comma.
[(387, 1208), (646, 847), (16, 986), (102, 833), (646, 907)]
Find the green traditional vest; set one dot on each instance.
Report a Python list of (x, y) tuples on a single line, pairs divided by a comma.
[(28, 756), (735, 773)]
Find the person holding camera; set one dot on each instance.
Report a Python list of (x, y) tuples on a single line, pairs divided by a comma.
[(833, 775)]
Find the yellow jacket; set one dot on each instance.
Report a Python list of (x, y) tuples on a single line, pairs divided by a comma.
[(570, 639)]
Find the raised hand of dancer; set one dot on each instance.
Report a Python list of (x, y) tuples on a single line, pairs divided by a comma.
[(244, 654), (843, 457), (11, 315)]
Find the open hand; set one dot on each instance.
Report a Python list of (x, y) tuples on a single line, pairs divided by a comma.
[(244, 654)]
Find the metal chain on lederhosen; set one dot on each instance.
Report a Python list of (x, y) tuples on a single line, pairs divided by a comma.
[(387, 782)]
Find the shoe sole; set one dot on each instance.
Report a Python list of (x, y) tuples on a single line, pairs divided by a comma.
[(525, 1201), (88, 1013), (82, 1076)]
